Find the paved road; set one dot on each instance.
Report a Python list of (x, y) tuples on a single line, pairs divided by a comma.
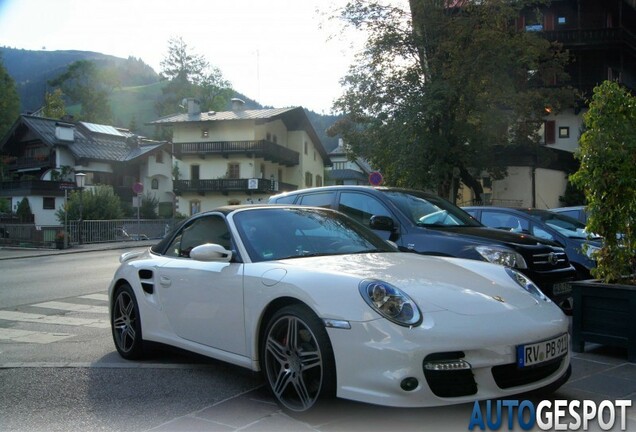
[(59, 370)]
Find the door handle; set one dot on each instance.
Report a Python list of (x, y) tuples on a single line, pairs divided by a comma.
[(165, 281)]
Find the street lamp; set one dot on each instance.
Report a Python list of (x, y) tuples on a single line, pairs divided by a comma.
[(80, 180)]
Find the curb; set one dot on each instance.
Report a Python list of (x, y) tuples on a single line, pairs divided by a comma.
[(19, 253)]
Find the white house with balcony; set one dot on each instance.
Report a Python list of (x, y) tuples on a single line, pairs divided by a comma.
[(242, 156)]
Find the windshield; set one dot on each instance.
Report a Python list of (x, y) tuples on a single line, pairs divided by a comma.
[(564, 225), (427, 210), (281, 233)]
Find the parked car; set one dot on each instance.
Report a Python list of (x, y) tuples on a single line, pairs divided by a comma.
[(302, 294), (577, 212), (427, 224), (563, 230)]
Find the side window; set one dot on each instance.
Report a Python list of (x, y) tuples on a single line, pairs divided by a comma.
[(361, 207), (322, 199), (209, 229), (289, 199)]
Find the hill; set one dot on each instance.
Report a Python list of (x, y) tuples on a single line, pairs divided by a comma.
[(132, 103)]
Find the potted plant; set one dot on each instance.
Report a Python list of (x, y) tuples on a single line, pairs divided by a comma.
[(60, 239), (607, 175)]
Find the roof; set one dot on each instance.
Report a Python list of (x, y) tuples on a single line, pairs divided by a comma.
[(294, 119), (89, 140), (341, 150)]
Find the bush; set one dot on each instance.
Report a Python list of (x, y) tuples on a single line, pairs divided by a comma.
[(98, 203), (608, 177)]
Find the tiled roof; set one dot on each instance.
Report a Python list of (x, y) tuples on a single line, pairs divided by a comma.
[(91, 141)]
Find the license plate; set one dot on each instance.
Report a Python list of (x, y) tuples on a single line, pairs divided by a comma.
[(561, 288), (541, 352)]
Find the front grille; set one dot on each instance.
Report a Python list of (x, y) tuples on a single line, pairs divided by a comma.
[(449, 383), (550, 260), (510, 375)]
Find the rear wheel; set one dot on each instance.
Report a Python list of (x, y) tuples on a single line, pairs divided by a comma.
[(125, 324), (297, 359)]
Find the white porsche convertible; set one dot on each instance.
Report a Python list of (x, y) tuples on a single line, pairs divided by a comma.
[(323, 307)]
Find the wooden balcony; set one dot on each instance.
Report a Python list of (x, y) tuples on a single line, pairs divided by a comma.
[(267, 150), (604, 38), (22, 163), (225, 186), (34, 187)]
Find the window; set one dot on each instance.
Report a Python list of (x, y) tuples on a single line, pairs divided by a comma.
[(504, 221), (308, 179), (195, 207), (205, 133), (154, 184), (275, 139), (268, 136), (210, 229), (564, 132), (361, 207), (159, 157), (262, 171), (322, 199), (318, 181), (306, 147), (234, 170), (561, 20), (280, 175), (194, 172), (550, 132), (48, 203)]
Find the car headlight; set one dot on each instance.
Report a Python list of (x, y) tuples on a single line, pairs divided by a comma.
[(390, 302), (590, 251), (524, 282), (502, 256)]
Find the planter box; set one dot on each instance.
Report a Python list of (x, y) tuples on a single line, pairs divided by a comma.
[(604, 314)]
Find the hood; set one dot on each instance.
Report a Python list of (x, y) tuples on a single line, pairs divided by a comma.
[(466, 287), (499, 235)]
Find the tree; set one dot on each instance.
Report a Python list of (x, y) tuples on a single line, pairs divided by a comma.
[(54, 106), (89, 86), (436, 89), (190, 76), (23, 211), (149, 205), (607, 175), (98, 203), (9, 101)]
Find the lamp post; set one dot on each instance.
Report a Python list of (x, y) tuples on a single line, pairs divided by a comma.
[(80, 180)]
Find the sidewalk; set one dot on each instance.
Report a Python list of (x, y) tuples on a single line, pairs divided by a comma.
[(10, 252)]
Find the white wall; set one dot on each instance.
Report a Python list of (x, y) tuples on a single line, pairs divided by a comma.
[(516, 188)]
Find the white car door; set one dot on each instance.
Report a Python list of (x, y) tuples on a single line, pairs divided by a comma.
[(203, 301)]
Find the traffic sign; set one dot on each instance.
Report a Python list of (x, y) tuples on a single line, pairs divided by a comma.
[(375, 178), (138, 188)]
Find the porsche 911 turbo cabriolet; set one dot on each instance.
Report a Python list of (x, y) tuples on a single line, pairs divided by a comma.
[(324, 307)]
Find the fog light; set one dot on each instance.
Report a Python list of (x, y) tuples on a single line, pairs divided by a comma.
[(447, 365), (409, 384)]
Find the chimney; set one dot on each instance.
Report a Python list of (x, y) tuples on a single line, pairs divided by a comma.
[(193, 105), (238, 104)]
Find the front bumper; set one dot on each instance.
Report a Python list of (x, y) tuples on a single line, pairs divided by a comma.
[(373, 359)]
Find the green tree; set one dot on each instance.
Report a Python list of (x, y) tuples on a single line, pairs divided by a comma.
[(608, 177), (437, 89), (9, 101), (23, 211), (98, 203), (149, 205), (89, 86), (54, 106), (190, 75)]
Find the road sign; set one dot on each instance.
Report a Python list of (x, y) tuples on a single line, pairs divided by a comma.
[(67, 186), (138, 188), (375, 178)]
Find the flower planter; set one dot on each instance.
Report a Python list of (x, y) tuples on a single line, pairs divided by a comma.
[(604, 314)]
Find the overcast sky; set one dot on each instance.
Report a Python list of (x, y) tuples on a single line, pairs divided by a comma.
[(278, 52)]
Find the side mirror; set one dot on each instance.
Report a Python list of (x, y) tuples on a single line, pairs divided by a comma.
[(210, 252), (381, 223)]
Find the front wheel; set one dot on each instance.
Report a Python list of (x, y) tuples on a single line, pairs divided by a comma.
[(125, 324), (297, 359)]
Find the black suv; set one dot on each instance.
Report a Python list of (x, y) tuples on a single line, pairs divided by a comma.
[(424, 223)]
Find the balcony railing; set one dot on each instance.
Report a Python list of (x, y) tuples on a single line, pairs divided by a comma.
[(261, 148), (592, 37), (34, 187), (231, 185), (14, 163)]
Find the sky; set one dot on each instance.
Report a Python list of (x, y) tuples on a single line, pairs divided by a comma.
[(280, 53)]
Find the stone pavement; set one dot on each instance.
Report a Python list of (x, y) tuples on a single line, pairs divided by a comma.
[(599, 374)]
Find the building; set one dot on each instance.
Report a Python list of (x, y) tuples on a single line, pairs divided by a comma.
[(242, 156), (41, 155), (344, 171), (601, 39)]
